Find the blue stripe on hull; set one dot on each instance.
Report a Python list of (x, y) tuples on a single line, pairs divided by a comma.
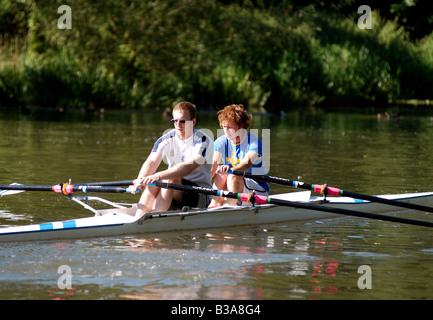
[(69, 224), (46, 226), (49, 226)]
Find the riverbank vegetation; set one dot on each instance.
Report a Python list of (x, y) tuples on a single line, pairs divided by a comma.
[(270, 55)]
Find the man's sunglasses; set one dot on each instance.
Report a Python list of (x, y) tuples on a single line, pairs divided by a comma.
[(177, 120)]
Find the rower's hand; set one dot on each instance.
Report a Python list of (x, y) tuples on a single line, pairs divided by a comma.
[(151, 179), (137, 184), (223, 169), (140, 183)]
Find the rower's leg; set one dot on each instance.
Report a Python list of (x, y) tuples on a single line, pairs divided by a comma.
[(220, 183), (234, 184), (166, 196), (147, 200)]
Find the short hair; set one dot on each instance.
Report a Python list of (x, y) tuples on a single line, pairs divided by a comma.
[(186, 106), (236, 113)]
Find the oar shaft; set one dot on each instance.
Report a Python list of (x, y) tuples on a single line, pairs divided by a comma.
[(110, 183), (259, 199), (66, 188), (87, 188), (333, 191), (354, 213), (26, 187)]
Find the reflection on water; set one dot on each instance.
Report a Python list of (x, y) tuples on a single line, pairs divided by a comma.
[(316, 261), (311, 260)]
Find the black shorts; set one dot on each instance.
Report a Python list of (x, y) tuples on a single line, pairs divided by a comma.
[(189, 199)]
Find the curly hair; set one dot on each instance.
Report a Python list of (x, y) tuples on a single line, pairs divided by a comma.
[(236, 113)]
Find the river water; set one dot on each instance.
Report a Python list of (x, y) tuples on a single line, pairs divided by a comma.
[(342, 258)]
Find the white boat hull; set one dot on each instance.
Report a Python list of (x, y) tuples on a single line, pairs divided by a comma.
[(121, 221)]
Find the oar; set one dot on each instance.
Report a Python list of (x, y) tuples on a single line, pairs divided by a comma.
[(323, 189), (6, 190), (67, 188), (259, 199), (110, 183)]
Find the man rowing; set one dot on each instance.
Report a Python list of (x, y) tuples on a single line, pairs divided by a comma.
[(240, 151), (186, 150)]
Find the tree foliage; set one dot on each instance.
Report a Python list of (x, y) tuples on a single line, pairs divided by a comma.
[(265, 54)]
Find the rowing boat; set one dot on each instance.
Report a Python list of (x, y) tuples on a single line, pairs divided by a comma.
[(120, 218)]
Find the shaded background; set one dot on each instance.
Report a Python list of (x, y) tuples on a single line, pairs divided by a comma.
[(269, 55)]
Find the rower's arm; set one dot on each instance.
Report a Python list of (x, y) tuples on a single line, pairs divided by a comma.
[(182, 169), (150, 165), (215, 162), (246, 162)]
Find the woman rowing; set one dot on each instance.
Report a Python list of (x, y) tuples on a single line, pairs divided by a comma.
[(186, 150), (240, 151)]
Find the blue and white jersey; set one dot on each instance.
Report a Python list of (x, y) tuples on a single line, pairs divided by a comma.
[(176, 150), (232, 154)]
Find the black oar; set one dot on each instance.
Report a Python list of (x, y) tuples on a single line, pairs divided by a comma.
[(259, 199), (109, 183), (323, 189), (66, 188)]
